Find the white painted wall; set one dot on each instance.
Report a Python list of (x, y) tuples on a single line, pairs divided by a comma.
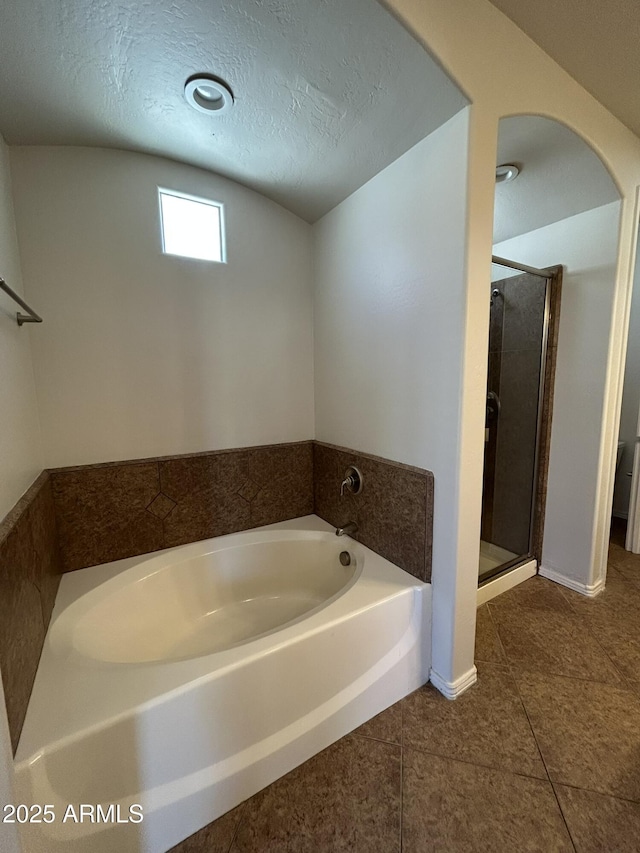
[(20, 453), (389, 322), (143, 354), (462, 34), (586, 245), (630, 405)]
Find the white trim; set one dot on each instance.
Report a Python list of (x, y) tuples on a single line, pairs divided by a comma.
[(453, 689), (590, 590), (506, 581)]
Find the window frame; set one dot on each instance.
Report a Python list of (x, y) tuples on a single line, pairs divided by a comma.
[(200, 200)]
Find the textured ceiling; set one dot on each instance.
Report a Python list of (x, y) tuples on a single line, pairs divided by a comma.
[(327, 92), (596, 41), (560, 176)]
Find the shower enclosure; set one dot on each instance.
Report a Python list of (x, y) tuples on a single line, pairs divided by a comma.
[(518, 414)]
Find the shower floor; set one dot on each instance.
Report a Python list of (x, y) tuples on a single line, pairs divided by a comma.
[(492, 556)]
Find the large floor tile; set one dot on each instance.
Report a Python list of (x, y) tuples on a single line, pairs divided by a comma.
[(347, 798), (214, 838), (613, 618), (588, 733), (619, 556), (385, 726), (551, 640), (620, 638), (486, 725), (626, 564), (488, 646), (600, 824), (618, 592), (537, 594), (454, 807)]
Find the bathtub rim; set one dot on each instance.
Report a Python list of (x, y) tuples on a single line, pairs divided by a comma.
[(60, 634)]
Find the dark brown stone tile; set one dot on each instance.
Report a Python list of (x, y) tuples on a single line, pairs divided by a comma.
[(613, 618), (394, 512), (515, 451), (588, 732), (556, 304), (524, 303), (544, 452), (273, 461), (29, 578), (486, 725), (621, 642), (496, 318), (205, 491), (9, 522), (488, 647), (536, 594), (385, 726), (346, 798), (214, 838), (626, 564), (101, 513), (284, 474), (248, 490), (539, 633), (457, 807), (600, 824), (41, 520), (161, 506), (22, 634), (618, 557), (634, 686)]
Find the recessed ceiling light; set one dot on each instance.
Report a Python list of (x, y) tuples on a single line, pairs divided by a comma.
[(506, 172), (208, 95)]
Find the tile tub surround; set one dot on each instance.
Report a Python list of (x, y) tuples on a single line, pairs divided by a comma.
[(72, 518), (30, 569), (121, 509), (394, 511), (110, 511)]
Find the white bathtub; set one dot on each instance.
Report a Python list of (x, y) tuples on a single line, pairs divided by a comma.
[(188, 680)]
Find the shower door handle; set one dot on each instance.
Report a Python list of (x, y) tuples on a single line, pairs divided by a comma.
[(493, 408)]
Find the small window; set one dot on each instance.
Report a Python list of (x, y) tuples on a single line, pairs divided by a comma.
[(191, 227)]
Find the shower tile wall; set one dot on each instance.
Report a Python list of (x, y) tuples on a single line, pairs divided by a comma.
[(30, 569), (515, 345)]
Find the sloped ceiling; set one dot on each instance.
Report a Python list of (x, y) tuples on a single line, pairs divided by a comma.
[(327, 92)]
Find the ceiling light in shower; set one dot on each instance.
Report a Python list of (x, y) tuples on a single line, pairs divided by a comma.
[(506, 172), (208, 94)]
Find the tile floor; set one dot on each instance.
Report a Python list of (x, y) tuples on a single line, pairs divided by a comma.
[(542, 754)]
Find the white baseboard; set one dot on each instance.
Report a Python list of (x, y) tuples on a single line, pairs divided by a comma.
[(453, 689), (590, 590), (506, 581)]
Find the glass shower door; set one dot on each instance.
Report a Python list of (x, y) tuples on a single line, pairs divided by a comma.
[(517, 346)]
